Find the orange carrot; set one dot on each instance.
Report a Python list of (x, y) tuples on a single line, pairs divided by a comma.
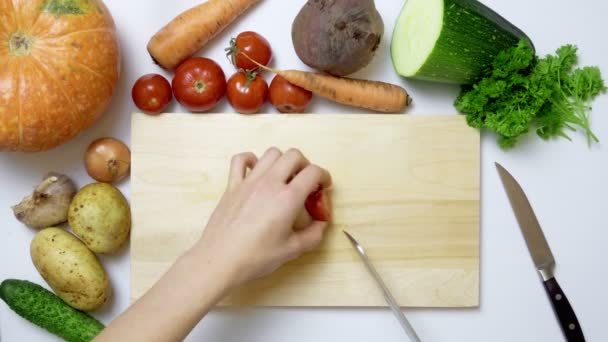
[(191, 30), (374, 95)]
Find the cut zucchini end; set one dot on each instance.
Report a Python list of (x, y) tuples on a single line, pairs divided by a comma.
[(417, 30)]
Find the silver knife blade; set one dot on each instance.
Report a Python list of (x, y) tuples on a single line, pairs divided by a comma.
[(528, 223), (405, 324)]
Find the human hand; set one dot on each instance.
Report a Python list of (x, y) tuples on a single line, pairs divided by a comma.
[(250, 234)]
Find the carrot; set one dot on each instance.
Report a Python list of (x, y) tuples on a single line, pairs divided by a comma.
[(374, 95), (191, 30)]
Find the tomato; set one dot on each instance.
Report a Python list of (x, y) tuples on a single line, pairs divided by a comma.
[(247, 92), (255, 46), (288, 98), (319, 206), (199, 84), (152, 93)]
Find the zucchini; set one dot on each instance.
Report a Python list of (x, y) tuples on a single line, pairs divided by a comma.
[(41, 307), (453, 41)]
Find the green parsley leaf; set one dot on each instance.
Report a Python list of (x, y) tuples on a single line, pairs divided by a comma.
[(524, 92)]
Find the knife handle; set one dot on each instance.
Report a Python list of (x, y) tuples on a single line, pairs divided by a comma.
[(565, 314)]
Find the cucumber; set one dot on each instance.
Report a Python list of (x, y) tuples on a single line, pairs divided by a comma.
[(41, 307), (453, 41)]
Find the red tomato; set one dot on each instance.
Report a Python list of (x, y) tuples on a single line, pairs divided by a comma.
[(152, 93), (288, 98), (199, 84), (319, 206), (256, 47), (247, 92)]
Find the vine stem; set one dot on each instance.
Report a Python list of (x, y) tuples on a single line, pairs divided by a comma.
[(258, 64)]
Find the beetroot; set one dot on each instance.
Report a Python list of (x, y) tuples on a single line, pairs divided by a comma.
[(337, 36)]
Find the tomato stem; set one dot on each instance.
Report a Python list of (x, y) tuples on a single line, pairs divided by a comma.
[(232, 51), (250, 76), (200, 86), (259, 64)]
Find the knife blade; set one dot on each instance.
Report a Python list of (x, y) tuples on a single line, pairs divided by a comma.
[(541, 255), (392, 303)]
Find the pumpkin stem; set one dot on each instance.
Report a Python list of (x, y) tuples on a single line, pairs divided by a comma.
[(20, 44)]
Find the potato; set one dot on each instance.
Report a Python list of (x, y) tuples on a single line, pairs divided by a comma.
[(337, 36), (99, 214), (70, 268)]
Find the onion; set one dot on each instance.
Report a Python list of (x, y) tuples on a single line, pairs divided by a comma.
[(107, 160)]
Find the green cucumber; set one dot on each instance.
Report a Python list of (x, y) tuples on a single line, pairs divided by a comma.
[(41, 307), (453, 41)]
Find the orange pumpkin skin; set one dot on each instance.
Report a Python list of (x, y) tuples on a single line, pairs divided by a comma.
[(59, 66)]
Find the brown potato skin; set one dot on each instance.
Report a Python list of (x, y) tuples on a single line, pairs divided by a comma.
[(70, 268), (339, 37), (100, 215)]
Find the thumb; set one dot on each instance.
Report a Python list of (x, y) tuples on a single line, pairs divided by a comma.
[(309, 238)]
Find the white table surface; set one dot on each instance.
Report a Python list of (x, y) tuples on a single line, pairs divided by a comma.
[(566, 182)]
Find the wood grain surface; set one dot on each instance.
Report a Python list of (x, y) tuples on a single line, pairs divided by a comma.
[(406, 187)]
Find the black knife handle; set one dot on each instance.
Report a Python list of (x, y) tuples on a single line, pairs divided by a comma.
[(565, 314)]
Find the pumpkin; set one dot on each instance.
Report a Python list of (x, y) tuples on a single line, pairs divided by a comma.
[(59, 65)]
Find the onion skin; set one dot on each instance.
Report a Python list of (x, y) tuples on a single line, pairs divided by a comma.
[(48, 205), (107, 160)]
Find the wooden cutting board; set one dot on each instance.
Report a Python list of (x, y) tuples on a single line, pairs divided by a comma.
[(406, 187)]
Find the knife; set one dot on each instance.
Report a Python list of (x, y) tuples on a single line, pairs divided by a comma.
[(405, 324), (541, 255)]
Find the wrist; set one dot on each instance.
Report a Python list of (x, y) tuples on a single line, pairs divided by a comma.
[(208, 271)]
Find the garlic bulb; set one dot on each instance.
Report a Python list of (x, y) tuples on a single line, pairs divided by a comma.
[(48, 205)]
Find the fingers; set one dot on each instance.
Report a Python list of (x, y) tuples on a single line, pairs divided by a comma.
[(266, 162), (306, 177), (238, 167), (309, 180), (303, 220), (291, 163), (307, 239)]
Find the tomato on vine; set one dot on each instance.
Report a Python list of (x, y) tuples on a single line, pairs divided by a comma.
[(247, 91), (253, 45)]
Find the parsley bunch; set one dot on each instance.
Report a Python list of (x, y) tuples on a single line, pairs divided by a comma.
[(523, 92)]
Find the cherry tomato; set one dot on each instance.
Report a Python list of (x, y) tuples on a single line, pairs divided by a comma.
[(152, 93), (247, 92), (199, 84), (318, 206), (255, 46), (287, 97)]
